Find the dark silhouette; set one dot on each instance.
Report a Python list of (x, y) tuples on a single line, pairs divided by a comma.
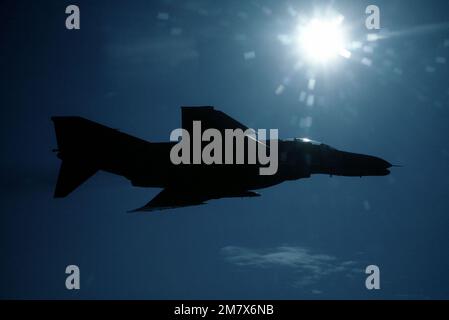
[(86, 147)]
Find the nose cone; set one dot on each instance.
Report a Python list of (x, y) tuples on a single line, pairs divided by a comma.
[(354, 164)]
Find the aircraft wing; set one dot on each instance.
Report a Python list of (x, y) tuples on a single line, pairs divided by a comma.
[(174, 198)]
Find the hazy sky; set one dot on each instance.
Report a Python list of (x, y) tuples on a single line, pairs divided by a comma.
[(133, 64)]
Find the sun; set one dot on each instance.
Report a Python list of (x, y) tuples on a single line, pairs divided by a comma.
[(322, 40)]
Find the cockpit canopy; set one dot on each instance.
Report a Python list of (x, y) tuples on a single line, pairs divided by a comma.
[(307, 140), (313, 142)]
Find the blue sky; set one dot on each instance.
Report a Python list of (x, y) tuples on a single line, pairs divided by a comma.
[(133, 64)]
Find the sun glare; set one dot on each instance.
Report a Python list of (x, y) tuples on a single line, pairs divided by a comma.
[(322, 40)]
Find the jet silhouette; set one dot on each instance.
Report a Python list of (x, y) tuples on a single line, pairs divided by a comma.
[(86, 147)]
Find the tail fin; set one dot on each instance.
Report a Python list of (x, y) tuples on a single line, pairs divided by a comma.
[(83, 146)]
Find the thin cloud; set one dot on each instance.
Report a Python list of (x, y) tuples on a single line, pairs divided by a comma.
[(311, 267)]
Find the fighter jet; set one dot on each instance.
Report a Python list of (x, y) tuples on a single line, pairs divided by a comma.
[(86, 147)]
